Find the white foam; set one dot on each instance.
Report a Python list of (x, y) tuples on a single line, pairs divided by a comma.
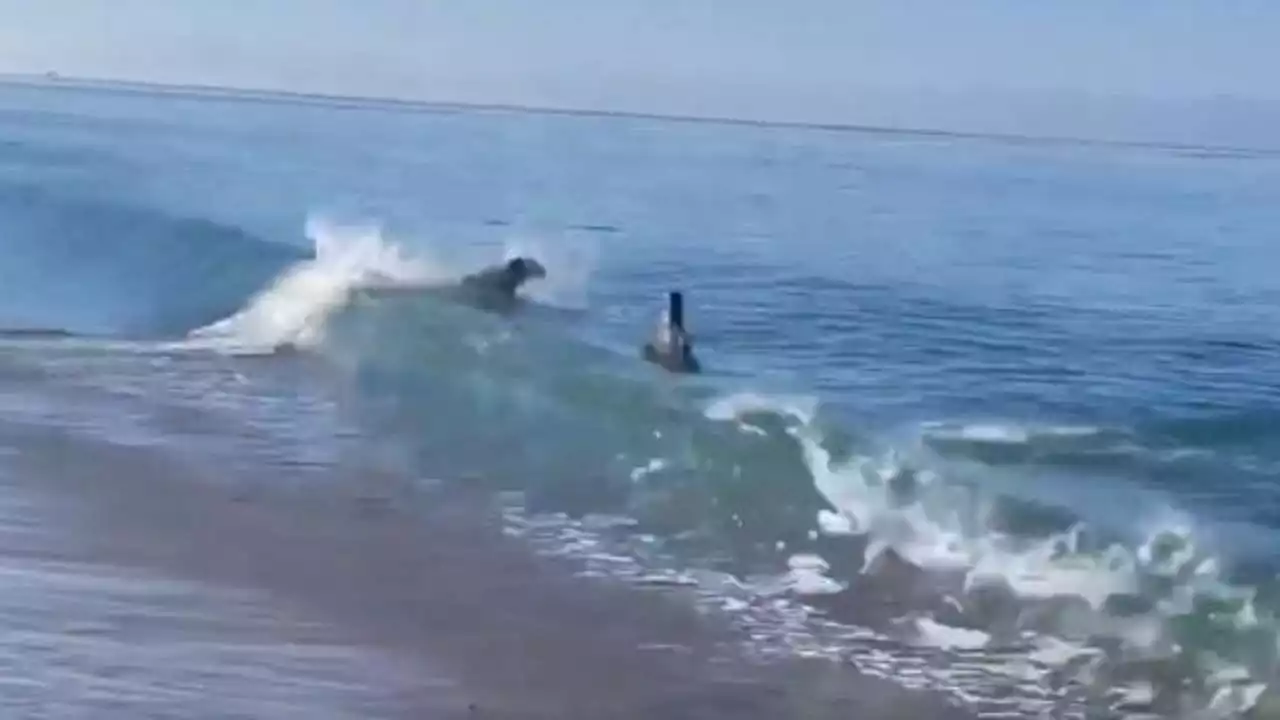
[(295, 307), (989, 433), (810, 582), (998, 433), (1136, 695), (1056, 652), (833, 523), (733, 407), (1235, 700), (1052, 568), (808, 561), (935, 634), (806, 576), (654, 465), (944, 526)]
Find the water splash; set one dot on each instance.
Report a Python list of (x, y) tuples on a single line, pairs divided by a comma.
[(294, 309), (1161, 602)]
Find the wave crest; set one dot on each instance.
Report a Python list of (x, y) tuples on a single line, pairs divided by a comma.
[(295, 308), (96, 266), (1135, 612)]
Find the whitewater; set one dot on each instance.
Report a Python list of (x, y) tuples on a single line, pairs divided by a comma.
[(987, 428)]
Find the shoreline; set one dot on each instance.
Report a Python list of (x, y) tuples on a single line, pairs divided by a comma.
[(443, 589)]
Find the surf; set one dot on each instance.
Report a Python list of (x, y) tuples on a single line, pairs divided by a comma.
[(831, 513), (1086, 601), (996, 557), (295, 307)]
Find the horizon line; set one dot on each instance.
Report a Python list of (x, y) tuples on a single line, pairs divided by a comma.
[(56, 81)]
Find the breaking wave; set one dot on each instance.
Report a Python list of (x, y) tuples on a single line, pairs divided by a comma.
[(294, 308), (951, 536), (1147, 614)]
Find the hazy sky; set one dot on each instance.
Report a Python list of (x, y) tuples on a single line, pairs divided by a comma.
[(820, 57)]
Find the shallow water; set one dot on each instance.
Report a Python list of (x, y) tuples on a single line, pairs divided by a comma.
[(990, 420)]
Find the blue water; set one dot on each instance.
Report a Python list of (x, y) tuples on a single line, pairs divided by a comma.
[(1044, 371)]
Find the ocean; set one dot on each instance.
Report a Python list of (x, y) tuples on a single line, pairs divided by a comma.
[(989, 427)]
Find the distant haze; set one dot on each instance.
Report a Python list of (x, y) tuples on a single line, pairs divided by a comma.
[(1170, 70)]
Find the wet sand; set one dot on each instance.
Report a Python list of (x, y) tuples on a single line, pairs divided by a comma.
[(444, 615)]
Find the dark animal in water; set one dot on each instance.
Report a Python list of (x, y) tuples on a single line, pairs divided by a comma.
[(504, 280), (497, 288), (494, 288)]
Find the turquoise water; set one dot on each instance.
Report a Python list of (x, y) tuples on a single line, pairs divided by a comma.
[(1013, 405)]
